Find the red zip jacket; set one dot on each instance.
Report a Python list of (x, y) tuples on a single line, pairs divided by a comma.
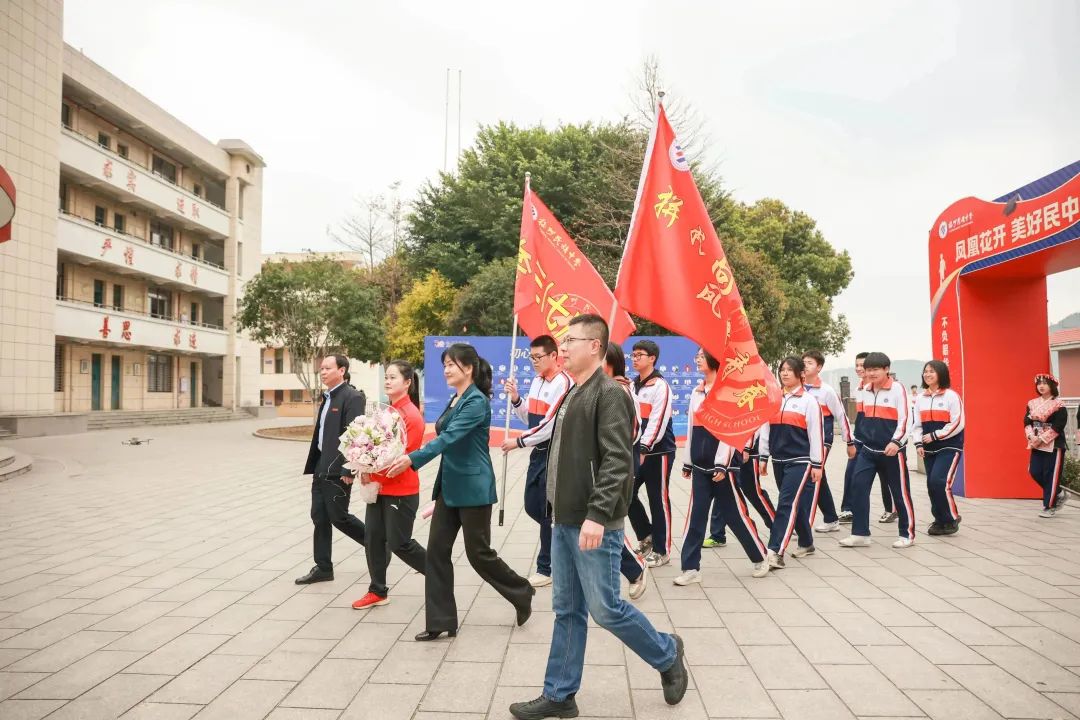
[(408, 482)]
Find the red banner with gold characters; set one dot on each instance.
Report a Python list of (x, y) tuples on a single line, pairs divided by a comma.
[(675, 272), (555, 281)]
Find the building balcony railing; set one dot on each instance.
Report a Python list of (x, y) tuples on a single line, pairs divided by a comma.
[(127, 254), (131, 178), (96, 323)]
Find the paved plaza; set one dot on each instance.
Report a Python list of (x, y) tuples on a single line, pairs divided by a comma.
[(157, 582)]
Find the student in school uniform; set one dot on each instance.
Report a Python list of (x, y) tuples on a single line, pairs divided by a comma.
[(549, 386), (711, 467), (656, 451), (794, 440), (884, 430), (832, 411), (1044, 426), (750, 481), (937, 430), (632, 566), (889, 514)]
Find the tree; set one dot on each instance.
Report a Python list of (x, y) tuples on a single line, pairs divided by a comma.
[(486, 305), (424, 310), (363, 231), (809, 269), (313, 308)]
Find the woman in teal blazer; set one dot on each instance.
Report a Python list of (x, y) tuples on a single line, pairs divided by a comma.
[(464, 493)]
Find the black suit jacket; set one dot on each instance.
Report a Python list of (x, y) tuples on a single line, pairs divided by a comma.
[(345, 405)]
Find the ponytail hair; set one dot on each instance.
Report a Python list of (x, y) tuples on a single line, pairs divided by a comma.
[(464, 355), (408, 373)]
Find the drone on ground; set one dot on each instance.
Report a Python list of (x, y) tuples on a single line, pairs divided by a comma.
[(136, 441)]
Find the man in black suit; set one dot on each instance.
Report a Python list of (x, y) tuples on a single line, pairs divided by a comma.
[(331, 483)]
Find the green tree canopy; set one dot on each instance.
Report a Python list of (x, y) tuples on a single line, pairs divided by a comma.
[(424, 310), (313, 308)]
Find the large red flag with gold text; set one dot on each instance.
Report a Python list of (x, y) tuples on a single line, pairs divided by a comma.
[(555, 281), (675, 273)]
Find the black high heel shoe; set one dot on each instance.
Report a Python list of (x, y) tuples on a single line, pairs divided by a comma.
[(428, 635)]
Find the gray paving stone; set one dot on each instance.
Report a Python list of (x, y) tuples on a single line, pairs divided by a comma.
[(246, 700), (733, 692), (810, 705), (395, 702), (80, 676), (291, 660), (462, 687), (112, 698), (178, 655), (201, 683), (28, 709), (782, 667), (866, 691), (1003, 692)]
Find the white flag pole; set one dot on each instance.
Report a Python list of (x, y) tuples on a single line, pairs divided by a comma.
[(513, 365), (637, 200)]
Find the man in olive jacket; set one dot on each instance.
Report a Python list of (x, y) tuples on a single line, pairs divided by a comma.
[(590, 479)]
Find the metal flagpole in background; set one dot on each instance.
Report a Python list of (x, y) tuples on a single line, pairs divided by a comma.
[(513, 366)]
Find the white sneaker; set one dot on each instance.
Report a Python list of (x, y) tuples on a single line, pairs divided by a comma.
[(903, 543), (828, 527), (774, 560), (856, 541), (537, 580), (655, 559), (689, 576), (887, 517), (761, 569), (846, 517), (644, 547), (1048, 513), (1063, 497), (637, 589), (801, 552)]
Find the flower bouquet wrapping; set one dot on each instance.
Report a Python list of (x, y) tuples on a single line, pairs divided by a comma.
[(371, 443)]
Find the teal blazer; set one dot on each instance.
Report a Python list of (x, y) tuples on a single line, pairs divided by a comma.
[(466, 478)]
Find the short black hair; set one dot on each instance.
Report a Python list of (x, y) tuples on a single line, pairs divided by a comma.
[(876, 360), (342, 362), (595, 324), (861, 356), (942, 370), (710, 362), (649, 347), (796, 365), (615, 359), (816, 356), (546, 343)]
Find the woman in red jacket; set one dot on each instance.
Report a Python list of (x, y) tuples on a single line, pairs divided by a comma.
[(389, 522)]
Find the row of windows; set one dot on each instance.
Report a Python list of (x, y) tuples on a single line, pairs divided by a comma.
[(159, 372)]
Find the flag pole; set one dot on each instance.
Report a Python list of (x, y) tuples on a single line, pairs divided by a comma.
[(637, 200), (513, 366)]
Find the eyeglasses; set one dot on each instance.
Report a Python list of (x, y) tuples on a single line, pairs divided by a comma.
[(538, 358), (639, 355), (567, 340)]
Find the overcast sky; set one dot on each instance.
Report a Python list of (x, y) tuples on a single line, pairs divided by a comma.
[(871, 117)]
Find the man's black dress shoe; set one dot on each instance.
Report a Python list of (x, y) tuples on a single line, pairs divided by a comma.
[(541, 708), (428, 635), (316, 575)]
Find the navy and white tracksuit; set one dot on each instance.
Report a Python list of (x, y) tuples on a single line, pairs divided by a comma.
[(885, 422), (1041, 420), (631, 564), (849, 471), (538, 409), (831, 409), (712, 466), (750, 481), (656, 450), (941, 416), (794, 439)]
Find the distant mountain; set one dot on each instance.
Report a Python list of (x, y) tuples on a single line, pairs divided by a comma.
[(1070, 322), (908, 372)]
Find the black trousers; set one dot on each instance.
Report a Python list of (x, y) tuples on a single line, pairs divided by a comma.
[(475, 524), (330, 509), (389, 530)]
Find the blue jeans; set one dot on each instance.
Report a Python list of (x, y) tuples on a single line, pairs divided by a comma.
[(587, 583)]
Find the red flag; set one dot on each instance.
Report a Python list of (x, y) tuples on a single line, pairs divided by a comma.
[(674, 272), (555, 281)]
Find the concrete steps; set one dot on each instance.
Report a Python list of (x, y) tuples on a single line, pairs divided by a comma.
[(143, 418), (13, 464)]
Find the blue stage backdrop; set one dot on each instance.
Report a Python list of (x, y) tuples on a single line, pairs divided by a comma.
[(676, 363)]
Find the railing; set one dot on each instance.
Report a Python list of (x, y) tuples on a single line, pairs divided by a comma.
[(149, 169), (79, 218), (141, 313)]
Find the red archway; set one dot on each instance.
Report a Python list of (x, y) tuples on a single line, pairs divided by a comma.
[(988, 268), (7, 204)]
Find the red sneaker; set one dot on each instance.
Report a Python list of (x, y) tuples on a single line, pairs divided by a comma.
[(370, 600)]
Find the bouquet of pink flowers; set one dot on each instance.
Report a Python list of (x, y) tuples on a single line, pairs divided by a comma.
[(372, 442)]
